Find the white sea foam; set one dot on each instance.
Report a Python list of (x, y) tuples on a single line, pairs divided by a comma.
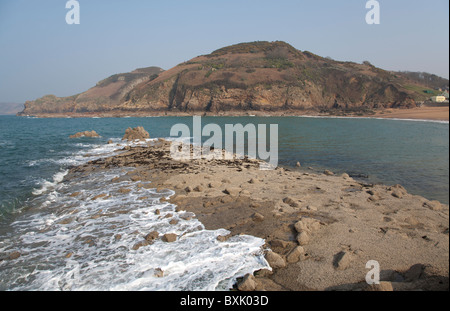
[(78, 243), (47, 185)]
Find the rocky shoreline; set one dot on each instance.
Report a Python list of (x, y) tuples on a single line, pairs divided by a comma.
[(320, 229)]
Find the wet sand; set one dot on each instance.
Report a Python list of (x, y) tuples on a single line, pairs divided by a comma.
[(320, 229)]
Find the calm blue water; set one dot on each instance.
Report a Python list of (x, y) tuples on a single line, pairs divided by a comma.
[(71, 243), (414, 154)]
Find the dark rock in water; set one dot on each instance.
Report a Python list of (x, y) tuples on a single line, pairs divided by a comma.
[(137, 133), (152, 236), (170, 237), (358, 175)]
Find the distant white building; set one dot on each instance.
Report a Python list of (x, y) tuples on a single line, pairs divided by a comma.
[(438, 99)]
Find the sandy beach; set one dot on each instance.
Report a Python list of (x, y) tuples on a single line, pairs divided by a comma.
[(320, 229), (423, 113)]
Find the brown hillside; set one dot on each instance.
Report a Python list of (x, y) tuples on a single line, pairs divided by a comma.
[(259, 76)]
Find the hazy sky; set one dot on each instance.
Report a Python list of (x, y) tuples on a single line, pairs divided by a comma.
[(40, 54)]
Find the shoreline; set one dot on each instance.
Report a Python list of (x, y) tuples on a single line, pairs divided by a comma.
[(321, 228), (437, 114)]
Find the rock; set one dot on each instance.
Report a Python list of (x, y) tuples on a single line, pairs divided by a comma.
[(412, 221), (343, 260), (275, 260), (382, 287), (152, 236), (258, 217), (303, 238), (433, 205), (91, 134), (307, 225), (298, 164), (14, 255), (213, 185), (345, 176), (253, 181), (139, 245), (198, 189), (311, 208), (110, 142), (75, 194), (188, 189), (397, 194), (248, 284), (234, 192), (169, 237), (159, 273), (328, 173), (279, 243), (222, 238), (291, 202), (255, 205), (295, 255), (99, 196), (137, 133), (124, 190)]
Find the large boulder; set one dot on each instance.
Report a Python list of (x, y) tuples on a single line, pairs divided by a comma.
[(91, 134), (137, 133)]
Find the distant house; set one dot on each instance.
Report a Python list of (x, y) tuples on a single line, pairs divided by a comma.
[(438, 99)]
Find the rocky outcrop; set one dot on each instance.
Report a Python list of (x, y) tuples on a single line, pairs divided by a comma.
[(138, 133), (90, 134), (267, 77)]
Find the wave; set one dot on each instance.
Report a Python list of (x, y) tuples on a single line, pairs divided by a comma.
[(82, 232), (86, 242)]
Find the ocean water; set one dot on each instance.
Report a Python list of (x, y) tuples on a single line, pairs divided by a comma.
[(76, 243)]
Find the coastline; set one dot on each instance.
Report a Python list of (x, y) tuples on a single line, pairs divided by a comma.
[(418, 114), (322, 229)]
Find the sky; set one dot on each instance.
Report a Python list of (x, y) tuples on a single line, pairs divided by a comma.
[(41, 54)]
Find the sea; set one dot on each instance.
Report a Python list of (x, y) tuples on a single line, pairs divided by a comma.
[(51, 240)]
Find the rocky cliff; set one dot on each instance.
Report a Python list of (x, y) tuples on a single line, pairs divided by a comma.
[(269, 77)]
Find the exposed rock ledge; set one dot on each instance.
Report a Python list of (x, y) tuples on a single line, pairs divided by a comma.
[(321, 229)]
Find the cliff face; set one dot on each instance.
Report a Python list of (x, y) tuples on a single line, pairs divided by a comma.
[(258, 76), (105, 96)]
